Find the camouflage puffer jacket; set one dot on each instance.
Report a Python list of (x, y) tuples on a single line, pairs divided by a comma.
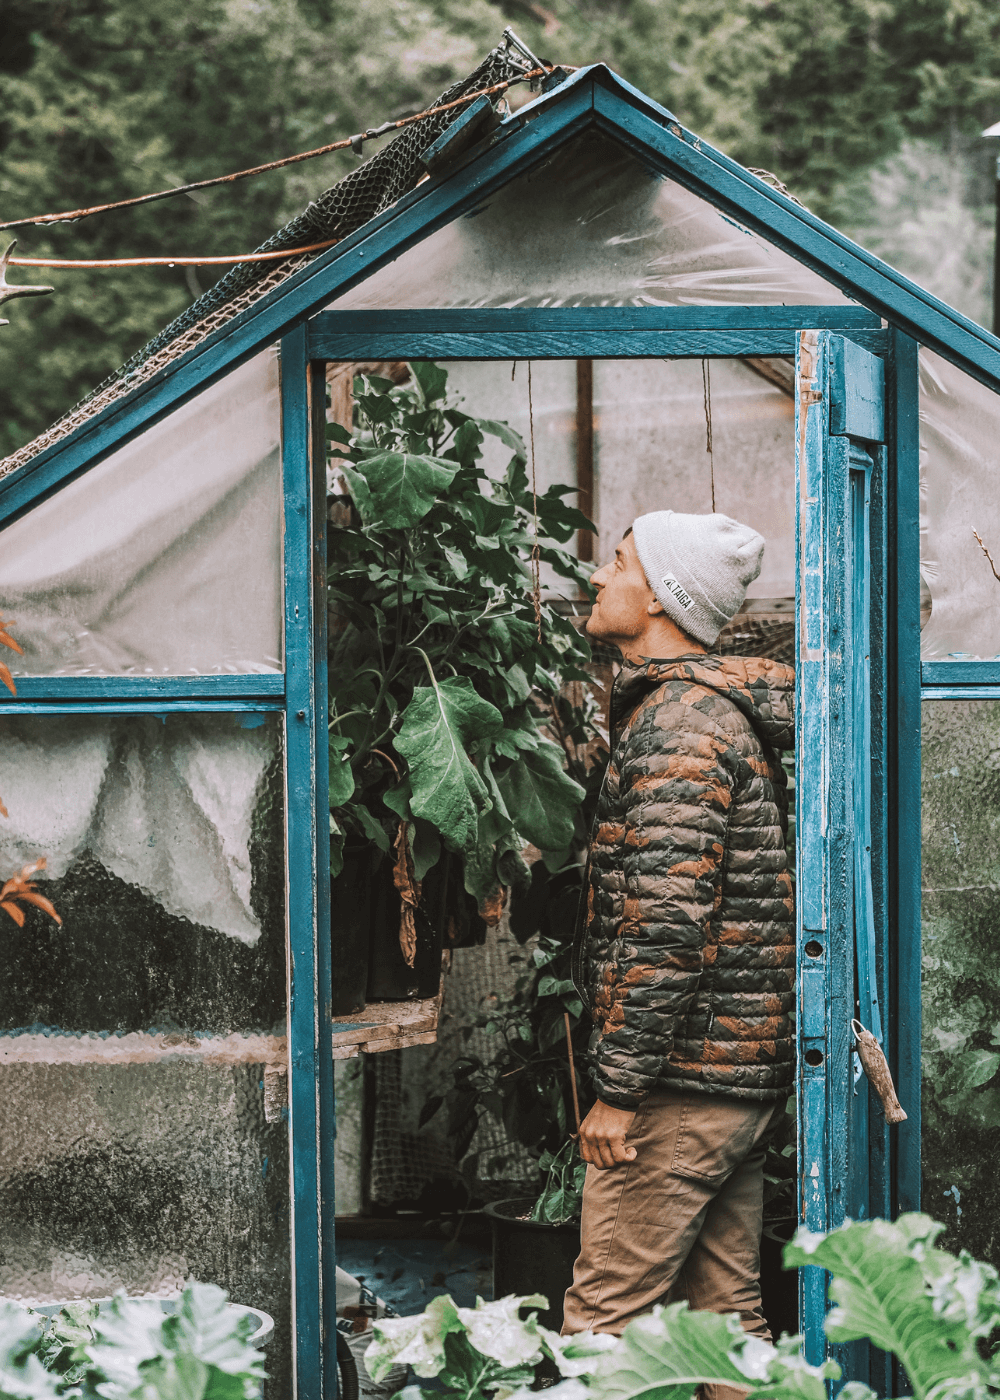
[(685, 952)]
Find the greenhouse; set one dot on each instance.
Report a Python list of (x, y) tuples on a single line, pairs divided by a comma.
[(661, 326)]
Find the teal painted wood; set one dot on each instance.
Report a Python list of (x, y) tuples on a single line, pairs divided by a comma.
[(529, 137), (812, 850), (315, 1363), (881, 1137), (267, 688), (903, 758), (960, 692), (857, 392), (138, 706), (837, 929), (480, 320), (462, 132), (501, 344), (953, 674)]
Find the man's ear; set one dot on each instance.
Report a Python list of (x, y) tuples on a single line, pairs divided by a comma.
[(654, 606)]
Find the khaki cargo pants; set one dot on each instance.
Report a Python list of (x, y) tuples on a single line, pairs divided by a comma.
[(681, 1221)]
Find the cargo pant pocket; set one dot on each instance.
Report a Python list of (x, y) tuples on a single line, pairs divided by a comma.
[(715, 1135)]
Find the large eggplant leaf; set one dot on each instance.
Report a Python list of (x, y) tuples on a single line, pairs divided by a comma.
[(401, 487), (541, 797), (439, 724), (890, 1285)]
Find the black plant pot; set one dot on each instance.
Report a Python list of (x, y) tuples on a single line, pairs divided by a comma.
[(390, 978), (350, 930), (532, 1257), (779, 1288)]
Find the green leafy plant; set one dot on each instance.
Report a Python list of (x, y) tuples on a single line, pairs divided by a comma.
[(441, 676), (129, 1350), (561, 1198), (890, 1285), (527, 1083)]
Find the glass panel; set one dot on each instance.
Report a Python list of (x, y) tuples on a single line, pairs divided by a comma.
[(141, 1176), (961, 970), (959, 433), (595, 227), (165, 558), (165, 851)]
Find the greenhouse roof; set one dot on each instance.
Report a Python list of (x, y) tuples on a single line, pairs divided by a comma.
[(593, 98)]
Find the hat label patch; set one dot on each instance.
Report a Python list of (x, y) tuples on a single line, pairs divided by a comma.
[(678, 592)]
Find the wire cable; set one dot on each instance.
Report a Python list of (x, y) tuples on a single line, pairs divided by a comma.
[(353, 142)]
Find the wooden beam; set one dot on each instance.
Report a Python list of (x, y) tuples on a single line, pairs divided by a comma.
[(585, 454)]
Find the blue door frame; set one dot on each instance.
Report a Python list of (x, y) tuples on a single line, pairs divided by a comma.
[(874, 527)]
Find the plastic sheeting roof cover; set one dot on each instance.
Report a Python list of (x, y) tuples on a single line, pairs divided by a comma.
[(592, 226), (165, 558), (959, 448)]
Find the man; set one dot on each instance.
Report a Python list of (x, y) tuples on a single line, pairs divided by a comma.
[(686, 949)]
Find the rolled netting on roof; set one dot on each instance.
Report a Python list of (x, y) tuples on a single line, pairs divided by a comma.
[(591, 226)]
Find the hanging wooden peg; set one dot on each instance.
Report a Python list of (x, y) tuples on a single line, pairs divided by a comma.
[(875, 1066)]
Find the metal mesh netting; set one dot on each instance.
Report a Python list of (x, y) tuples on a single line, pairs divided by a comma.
[(338, 212)]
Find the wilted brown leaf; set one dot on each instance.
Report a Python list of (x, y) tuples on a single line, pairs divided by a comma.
[(20, 887), (492, 907), (406, 882)]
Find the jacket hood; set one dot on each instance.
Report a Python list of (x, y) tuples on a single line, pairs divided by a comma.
[(764, 690)]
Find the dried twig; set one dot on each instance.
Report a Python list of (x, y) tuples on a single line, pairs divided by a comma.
[(989, 556)]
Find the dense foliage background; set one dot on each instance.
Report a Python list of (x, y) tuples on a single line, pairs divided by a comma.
[(870, 110)]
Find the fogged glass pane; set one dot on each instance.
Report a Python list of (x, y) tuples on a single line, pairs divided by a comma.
[(165, 558), (142, 1176), (961, 970), (594, 226), (959, 437), (164, 845)]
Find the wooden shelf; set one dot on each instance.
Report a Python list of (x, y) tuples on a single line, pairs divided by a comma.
[(386, 1025)]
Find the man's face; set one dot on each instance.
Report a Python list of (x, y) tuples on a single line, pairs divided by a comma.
[(621, 612)]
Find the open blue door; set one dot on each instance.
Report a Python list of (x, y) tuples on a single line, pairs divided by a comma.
[(841, 922)]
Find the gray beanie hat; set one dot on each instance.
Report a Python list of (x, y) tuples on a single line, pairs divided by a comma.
[(699, 567)]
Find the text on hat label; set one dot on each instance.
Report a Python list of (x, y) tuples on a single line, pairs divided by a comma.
[(680, 593)]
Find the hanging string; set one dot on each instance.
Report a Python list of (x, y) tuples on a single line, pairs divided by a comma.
[(536, 567), (706, 389)]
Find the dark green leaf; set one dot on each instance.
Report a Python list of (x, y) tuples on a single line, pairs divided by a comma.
[(433, 380), (544, 799), (402, 487), (439, 724)]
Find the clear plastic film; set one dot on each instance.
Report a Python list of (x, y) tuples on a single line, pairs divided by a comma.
[(165, 558), (591, 226), (164, 849), (959, 455), (651, 439)]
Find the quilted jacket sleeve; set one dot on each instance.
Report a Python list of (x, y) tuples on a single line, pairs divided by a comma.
[(677, 776)]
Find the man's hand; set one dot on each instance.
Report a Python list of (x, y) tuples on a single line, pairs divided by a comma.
[(602, 1136)]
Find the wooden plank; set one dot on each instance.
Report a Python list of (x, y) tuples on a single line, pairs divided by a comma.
[(857, 392), (478, 320), (310, 1112), (904, 766), (385, 1019), (500, 344), (477, 121), (585, 455), (959, 673), (252, 686)]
